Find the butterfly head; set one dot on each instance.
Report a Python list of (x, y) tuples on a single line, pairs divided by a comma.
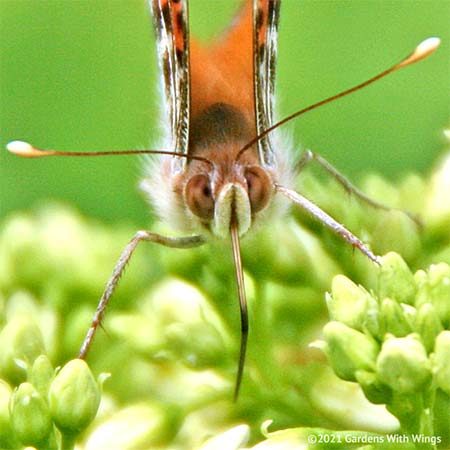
[(232, 190)]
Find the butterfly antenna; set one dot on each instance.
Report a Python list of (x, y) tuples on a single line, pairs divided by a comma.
[(423, 50), (26, 150), (242, 303)]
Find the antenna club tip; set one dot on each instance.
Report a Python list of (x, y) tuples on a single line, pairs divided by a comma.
[(19, 147), (429, 44), (24, 149), (424, 49)]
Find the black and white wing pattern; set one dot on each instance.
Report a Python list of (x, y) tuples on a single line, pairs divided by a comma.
[(266, 15), (171, 25)]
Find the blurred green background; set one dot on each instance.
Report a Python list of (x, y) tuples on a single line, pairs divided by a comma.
[(82, 75)]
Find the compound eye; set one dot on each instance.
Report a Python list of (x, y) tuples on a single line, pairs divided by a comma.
[(198, 195), (259, 187)]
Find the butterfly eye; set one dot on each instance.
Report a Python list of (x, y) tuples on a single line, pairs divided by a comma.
[(198, 194), (259, 187)]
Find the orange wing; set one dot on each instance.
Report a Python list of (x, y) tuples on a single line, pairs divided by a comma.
[(223, 71)]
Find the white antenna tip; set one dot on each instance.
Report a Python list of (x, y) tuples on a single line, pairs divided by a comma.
[(23, 149), (20, 148), (424, 49), (427, 46)]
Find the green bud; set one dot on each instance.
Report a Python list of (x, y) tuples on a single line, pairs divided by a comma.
[(289, 439), (232, 439), (74, 397), (42, 374), (397, 232), (21, 343), (380, 189), (437, 209), (343, 402), (435, 289), (441, 360), (403, 365), (420, 279), (296, 254), (135, 427), (412, 193), (176, 302), (143, 333), (428, 325), (396, 280), (392, 319), (374, 391), (349, 350), (7, 436), (199, 345), (18, 239), (30, 416), (348, 303)]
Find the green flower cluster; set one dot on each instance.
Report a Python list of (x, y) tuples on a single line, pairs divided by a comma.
[(172, 332), (395, 342), (47, 409)]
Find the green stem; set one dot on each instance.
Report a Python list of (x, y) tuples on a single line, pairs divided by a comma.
[(68, 441)]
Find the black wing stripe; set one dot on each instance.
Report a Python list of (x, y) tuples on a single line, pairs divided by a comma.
[(266, 15), (171, 26)]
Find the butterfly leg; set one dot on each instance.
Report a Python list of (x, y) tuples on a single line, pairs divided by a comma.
[(327, 220), (309, 156), (175, 242)]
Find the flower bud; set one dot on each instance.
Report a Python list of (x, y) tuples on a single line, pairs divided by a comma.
[(403, 365), (74, 397), (176, 301), (203, 348), (396, 280), (7, 437), (289, 439), (30, 416), (438, 208), (344, 402), (42, 374), (412, 193), (427, 325), (441, 360), (179, 304), (435, 289), (143, 333), (397, 232), (296, 253), (349, 350), (392, 319), (348, 303), (21, 343), (135, 427), (374, 391), (232, 439)]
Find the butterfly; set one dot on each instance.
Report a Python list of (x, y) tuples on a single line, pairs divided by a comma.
[(226, 166)]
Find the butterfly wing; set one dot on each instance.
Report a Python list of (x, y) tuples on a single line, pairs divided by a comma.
[(171, 25), (266, 15), (222, 69)]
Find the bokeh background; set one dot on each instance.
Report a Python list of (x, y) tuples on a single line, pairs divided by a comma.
[(82, 75)]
